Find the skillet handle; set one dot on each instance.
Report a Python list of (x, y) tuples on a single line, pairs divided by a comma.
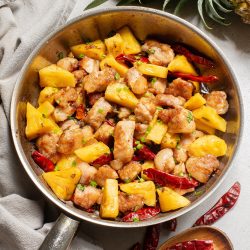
[(61, 234)]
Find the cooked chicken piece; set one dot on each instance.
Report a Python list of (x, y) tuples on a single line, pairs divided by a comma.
[(88, 173), (201, 168), (94, 97), (180, 154), (164, 160), (72, 139), (89, 65), (104, 133), (97, 114), (218, 101), (123, 113), (159, 53), (70, 124), (181, 88), (105, 172), (116, 164), (140, 130), (98, 81), (180, 170), (136, 81), (79, 75), (47, 145), (130, 171), (61, 114), (129, 203), (169, 100), (157, 85), (123, 145), (88, 197), (145, 109), (68, 63), (179, 120)]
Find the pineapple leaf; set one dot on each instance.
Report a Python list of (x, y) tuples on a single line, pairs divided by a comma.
[(222, 8), (165, 4), (213, 11), (227, 3), (200, 10), (125, 2), (95, 3), (179, 6)]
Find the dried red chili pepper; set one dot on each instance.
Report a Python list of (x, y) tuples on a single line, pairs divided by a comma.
[(131, 58), (136, 246), (80, 112), (171, 225), (223, 205), (164, 179), (180, 49), (210, 78), (102, 160), (152, 237), (193, 245), (143, 154), (43, 162), (110, 123), (141, 214)]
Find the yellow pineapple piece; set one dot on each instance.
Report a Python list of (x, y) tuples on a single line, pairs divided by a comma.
[(47, 94), (146, 165), (171, 200), (203, 127), (115, 45), (63, 183), (46, 108), (170, 140), (152, 69), (54, 76), (109, 205), (66, 162), (157, 132), (196, 101)]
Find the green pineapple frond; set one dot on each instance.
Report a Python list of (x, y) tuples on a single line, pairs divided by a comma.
[(214, 9)]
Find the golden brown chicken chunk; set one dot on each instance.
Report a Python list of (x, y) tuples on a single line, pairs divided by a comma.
[(130, 171), (128, 203), (103, 173), (218, 101)]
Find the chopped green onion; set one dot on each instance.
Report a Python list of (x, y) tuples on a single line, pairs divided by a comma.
[(117, 76), (93, 183), (103, 56), (134, 148), (127, 180), (81, 55), (73, 163), (139, 146), (139, 63), (56, 168), (150, 51), (159, 108), (190, 117), (60, 55), (100, 111), (137, 142), (181, 174), (143, 139), (71, 117), (136, 219), (83, 141), (198, 193), (80, 187)]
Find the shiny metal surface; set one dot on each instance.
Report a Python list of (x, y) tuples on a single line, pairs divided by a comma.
[(97, 24), (61, 235)]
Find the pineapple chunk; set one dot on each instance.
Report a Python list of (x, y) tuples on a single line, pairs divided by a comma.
[(115, 45), (109, 205), (203, 127), (46, 108), (171, 200), (170, 140), (92, 152), (131, 45), (63, 183), (66, 162), (195, 102), (95, 50), (47, 94), (146, 189), (209, 117), (110, 61), (208, 144), (181, 64), (146, 165), (152, 69), (119, 93), (54, 76), (157, 132), (37, 124), (196, 86)]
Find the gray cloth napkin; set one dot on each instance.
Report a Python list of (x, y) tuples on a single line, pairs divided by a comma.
[(23, 212)]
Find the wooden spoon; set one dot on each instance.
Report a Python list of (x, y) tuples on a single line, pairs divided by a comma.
[(220, 239)]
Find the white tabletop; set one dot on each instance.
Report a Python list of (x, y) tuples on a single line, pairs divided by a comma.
[(235, 43)]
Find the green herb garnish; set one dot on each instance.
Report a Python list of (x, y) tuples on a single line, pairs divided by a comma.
[(73, 163), (100, 111), (136, 219), (71, 118), (159, 108), (151, 51), (117, 76), (127, 180), (80, 187), (198, 193), (153, 80), (190, 117), (142, 139), (56, 168), (93, 183), (139, 146), (60, 55), (81, 55)]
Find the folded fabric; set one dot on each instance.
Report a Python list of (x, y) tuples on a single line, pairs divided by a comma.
[(24, 215)]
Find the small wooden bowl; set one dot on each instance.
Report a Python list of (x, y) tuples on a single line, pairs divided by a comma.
[(219, 238)]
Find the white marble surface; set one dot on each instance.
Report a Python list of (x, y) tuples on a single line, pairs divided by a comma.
[(235, 43)]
